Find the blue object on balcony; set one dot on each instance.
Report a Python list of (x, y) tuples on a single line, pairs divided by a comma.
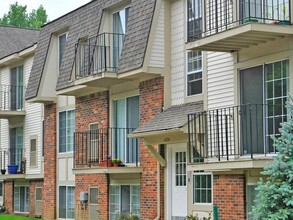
[(12, 169)]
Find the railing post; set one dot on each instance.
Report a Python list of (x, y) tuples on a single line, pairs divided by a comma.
[(227, 142), (218, 136), (250, 123)]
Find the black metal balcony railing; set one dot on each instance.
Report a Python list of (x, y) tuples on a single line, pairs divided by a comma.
[(94, 148), (234, 131), (11, 156), (208, 17), (11, 98), (98, 54)]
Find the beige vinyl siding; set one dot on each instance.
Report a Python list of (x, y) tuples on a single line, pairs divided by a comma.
[(32, 125), (220, 80), (178, 52), (157, 58)]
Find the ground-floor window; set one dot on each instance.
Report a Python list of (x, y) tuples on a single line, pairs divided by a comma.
[(250, 200), (66, 202), (202, 187), (124, 199), (21, 199)]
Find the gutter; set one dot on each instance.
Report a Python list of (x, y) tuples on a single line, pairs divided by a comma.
[(158, 193)]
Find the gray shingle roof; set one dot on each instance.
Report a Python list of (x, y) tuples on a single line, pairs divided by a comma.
[(14, 39), (173, 117), (85, 21)]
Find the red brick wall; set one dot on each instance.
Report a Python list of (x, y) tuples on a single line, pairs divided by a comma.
[(32, 188), (50, 147), (90, 109), (151, 103), (82, 184), (8, 195), (229, 196)]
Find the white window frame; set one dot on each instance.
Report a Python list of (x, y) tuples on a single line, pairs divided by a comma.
[(26, 188), (66, 200), (66, 151), (193, 187), (36, 152), (59, 36), (194, 72), (120, 186), (37, 200)]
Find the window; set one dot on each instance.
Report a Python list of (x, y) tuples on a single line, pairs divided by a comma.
[(93, 140), (251, 194), (126, 119), (61, 45), (276, 95), (66, 131), (33, 152), (93, 203), (194, 25), (180, 168), (16, 146), (16, 95), (120, 20), (38, 208), (124, 199), (194, 72), (21, 199), (202, 188), (66, 202)]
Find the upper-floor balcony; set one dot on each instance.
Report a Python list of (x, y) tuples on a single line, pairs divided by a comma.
[(231, 25), (95, 150), (11, 161), (240, 135), (12, 102)]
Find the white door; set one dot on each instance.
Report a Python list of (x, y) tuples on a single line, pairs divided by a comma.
[(179, 180)]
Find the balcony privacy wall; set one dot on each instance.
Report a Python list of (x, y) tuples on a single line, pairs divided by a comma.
[(85, 21)]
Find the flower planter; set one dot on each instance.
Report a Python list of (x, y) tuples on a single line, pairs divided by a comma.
[(115, 165), (3, 171), (12, 169), (106, 163)]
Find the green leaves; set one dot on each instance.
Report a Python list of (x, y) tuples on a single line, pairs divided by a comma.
[(18, 17)]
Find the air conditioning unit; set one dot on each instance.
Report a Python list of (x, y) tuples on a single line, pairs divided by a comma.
[(83, 196)]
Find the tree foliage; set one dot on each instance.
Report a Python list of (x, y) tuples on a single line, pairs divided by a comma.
[(18, 16), (275, 195)]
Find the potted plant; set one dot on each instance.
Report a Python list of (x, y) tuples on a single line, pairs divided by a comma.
[(107, 162), (3, 171), (12, 169), (116, 162)]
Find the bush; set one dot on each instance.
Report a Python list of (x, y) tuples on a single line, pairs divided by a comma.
[(127, 217), (3, 209)]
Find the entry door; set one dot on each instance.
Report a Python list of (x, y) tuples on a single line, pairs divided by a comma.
[(93, 203), (251, 110), (179, 186)]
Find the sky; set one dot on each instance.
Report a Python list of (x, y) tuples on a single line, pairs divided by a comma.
[(54, 8)]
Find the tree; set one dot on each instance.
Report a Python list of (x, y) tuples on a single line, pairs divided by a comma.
[(18, 16), (275, 195)]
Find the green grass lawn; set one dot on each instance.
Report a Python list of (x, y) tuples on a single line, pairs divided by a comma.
[(15, 217)]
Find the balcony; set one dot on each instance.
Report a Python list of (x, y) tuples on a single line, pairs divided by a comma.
[(94, 150), (12, 156), (239, 133), (230, 25), (12, 102), (96, 63)]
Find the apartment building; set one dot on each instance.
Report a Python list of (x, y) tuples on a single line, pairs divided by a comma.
[(99, 71), (21, 179)]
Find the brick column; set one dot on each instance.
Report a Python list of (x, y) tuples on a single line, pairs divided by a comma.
[(50, 148), (151, 103), (8, 195), (229, 196)]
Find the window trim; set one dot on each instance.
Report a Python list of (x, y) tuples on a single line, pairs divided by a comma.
[(193, 72), (66, 110), (60, 35), (26, 187), (36, 152), (193, 184)]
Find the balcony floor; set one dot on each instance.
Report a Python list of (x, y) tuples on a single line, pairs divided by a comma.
[(9, 114), (240, 37)]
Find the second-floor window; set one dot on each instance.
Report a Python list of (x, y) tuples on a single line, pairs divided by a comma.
[(66, 131), (194, 72), (61, 47), (16, 146), (16, 95), (120, 20), (194, 23)]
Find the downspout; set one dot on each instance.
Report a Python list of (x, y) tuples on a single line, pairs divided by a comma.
[(158, 192)]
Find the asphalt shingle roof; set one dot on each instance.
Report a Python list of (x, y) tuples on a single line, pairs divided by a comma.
[(14, 39), (172, 118), (85, 21)]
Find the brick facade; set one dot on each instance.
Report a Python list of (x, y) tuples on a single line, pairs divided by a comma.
[(32, 189), (82, 184), (50, 148), (151, 103), (229, 196), (8, 195)]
